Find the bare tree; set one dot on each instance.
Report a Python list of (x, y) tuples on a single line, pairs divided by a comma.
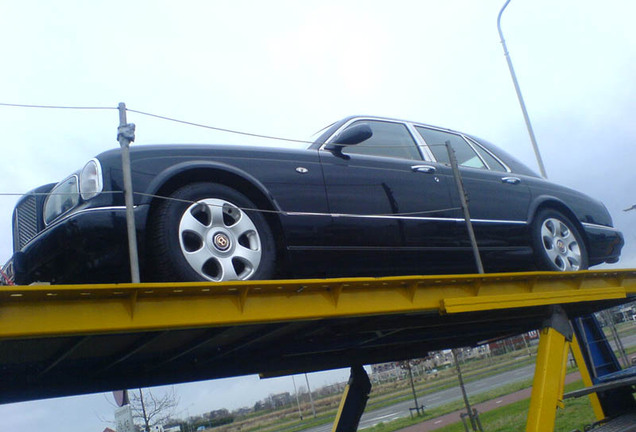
[(151, 410)]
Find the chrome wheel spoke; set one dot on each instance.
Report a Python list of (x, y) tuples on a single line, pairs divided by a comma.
[(243, 226), (198, 259), (216, 210), (227, 271), (191, 224), (249, 257)]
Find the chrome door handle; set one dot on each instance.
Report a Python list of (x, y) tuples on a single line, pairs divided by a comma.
[(511, 180), (427, 169)]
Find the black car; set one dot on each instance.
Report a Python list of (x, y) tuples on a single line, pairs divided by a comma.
[(370, 197)]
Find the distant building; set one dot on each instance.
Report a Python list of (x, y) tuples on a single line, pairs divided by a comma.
[(280, 399)]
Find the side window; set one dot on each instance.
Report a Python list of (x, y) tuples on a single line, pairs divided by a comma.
[(388, 140), (493, 163), (464, 153)]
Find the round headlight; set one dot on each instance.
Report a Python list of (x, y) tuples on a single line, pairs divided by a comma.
[(91, 183), (63, 198)]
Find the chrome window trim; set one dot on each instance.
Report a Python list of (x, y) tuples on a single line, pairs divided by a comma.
[(450, 132), (61, 215), (376, 119), (470, 140), (424, 149)]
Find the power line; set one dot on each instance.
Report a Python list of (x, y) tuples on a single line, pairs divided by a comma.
[(217, 128), (57, 107)]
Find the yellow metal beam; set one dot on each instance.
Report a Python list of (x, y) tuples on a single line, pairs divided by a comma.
[(587, 378), (41, 310), (549, 375)]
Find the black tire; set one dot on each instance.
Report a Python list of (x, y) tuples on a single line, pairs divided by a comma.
[(203, 233), (557, 243)]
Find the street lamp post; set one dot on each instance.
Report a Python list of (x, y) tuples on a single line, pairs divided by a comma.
[(519, 96)]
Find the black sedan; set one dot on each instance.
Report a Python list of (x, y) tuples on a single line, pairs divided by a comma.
[(370, 197)]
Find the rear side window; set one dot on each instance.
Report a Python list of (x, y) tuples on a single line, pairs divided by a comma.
[(493, 163), (388, 140), (464, 153)]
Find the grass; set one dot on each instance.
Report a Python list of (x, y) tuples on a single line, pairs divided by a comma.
[(509, 418)]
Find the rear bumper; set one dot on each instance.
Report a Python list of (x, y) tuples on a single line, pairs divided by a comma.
[(604, 243), (88, 246)]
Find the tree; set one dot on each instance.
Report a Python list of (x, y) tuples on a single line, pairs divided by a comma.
[(151, 410)]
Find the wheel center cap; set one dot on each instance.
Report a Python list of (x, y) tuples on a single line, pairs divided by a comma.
[(561, 246), (221, 241)]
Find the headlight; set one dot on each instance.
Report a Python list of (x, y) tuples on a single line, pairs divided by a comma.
[(63, 197), (90, 183)]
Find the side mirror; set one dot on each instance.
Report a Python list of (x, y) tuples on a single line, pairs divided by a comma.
[(353, 135), (350, 136)]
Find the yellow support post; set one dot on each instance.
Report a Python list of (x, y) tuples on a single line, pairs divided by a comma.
[(549, 375), (587, 378)]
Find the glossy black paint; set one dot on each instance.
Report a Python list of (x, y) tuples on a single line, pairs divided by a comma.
[(320, 202)]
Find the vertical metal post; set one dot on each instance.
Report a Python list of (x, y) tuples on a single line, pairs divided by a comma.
[(417, 405), (469, 409), (311, 399), (464, 204), (535, 147), (300, 414), (549, 373), (125, 135), (609, 319), (587, 378)]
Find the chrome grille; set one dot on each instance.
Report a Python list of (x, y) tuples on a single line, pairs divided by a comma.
[(25, 221)]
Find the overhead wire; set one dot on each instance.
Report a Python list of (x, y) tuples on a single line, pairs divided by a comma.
[(395, 215)]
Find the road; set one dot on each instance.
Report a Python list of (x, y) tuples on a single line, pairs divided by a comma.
[(432, 400), (435, 399)]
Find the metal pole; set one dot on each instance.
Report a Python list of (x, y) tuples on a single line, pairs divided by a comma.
[(125, 135), (300, 414), (143, 409), (313, 408), (617, 340), (417, 406), (464, 204), (469, 410), (535, 147)]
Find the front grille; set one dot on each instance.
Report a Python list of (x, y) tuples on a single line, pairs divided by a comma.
[(25, 221)]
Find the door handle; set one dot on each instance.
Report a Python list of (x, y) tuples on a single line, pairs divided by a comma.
[(427, 169), (511, 180)]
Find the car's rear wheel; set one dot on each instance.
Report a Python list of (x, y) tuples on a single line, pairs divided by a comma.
[(207, 231), (557, 242)]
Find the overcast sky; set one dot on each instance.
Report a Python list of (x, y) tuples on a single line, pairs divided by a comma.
[(288, 68)]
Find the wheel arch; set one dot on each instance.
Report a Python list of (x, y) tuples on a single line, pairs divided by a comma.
[(180, 175), (549, 202)]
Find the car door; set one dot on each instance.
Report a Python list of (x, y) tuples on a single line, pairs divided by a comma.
[(383, 196), (498, 200)]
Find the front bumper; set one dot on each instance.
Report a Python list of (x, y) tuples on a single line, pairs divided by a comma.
[(90, 246), (604, 243)]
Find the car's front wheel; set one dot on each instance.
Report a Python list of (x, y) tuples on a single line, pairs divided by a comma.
[(557, 243), (207, 231)]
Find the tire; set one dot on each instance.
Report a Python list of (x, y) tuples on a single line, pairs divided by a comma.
[(557, 243), (204, 233)]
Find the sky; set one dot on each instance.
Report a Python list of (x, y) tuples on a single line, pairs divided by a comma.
[(288, 68)]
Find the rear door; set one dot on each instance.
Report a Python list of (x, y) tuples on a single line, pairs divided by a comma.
[(498, 200)]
